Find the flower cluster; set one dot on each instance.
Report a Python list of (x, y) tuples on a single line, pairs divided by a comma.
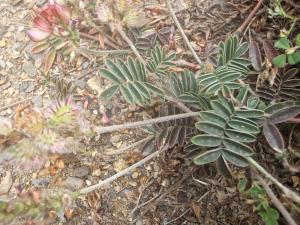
[(53, 18), (26, 142)]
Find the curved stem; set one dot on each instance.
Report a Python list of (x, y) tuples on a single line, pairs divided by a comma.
[(186, 40), (289, 193)]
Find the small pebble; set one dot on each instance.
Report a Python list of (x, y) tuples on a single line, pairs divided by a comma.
[(81, 171), (74, 183), (6, 183), (29, 68), (80, 83), (135, 175)]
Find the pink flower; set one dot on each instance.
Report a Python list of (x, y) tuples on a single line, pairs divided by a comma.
[(52, 17)]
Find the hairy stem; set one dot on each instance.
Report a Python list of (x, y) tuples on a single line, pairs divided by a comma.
[(103, 52), (102, 130), (186, 40), (289, 193)]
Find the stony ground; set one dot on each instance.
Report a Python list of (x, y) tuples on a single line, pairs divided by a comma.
[(164, 191)]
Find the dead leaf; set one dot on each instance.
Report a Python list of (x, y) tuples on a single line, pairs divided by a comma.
[(197, 210), (101, 40), (296, 181), (69, 213), (60, 164), (52, 170), (49, 60)]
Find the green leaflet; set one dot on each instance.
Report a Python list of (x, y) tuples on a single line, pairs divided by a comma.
[(210, 128), (116, 71), (207, 157), (240, 136), (220, 109), (243, 126), (250, 113), (206, 140), (110, 76), (213, 117), (237, 148), (126, 93), (109, 92), (241, 97), (233, 158)]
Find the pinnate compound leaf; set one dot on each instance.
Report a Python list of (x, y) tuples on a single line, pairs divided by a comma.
[(255, 56), (207, 157), (273, 136), (207, 140), (284, 114)]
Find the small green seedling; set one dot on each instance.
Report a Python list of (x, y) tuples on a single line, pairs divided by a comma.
[(268, 214), (291, 55)]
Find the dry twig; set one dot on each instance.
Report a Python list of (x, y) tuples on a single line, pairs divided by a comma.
[(122, 150), (186, 40), (248, 19)]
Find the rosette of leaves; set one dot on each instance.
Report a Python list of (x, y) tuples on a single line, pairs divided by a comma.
[(130, 79), (160, 62), (285, 87), (169, 133), (276, 114), (231, 68), (226, 133), (185, 88)]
